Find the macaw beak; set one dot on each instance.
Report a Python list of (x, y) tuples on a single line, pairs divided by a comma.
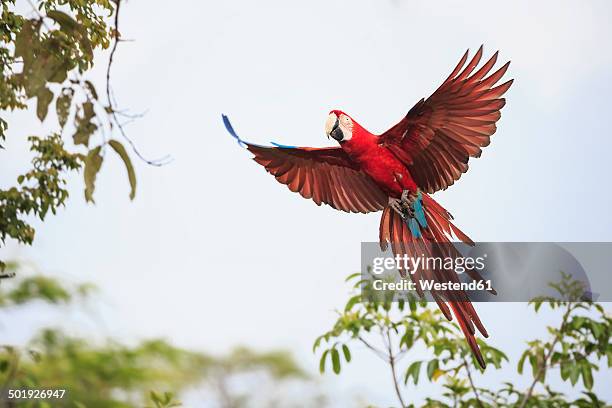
[(332, 127)]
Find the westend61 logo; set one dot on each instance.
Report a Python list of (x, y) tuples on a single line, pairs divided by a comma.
[(411, 264)]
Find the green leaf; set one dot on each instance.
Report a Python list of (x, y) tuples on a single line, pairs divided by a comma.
[(408, 338), (537, 305), (155, 397), (322, 361), (565, 370), (62, 105), (24, 41), (352, 302), (413, 370), (521, 362), (347, 353), (317, 343), (405, 339), (574, 373), (352, 276), (118, 147), (85, 127), (432, 366), (3, 127), (597, 329), (64, 20), (57, 71), (93, 162), (92, 89), (45, 96), (335, 360), (587, 374)]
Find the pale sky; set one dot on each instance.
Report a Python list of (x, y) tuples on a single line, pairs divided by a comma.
[(214, 252)]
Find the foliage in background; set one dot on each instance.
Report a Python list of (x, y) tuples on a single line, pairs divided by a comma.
[(46, 54), (38, 287), (111, 374), (165, 400), (579, 345), (106, 375)]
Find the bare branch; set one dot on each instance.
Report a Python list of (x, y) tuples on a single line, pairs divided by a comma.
[(393, 373), (111, 103), (378, 352), (113, 50), (544, 363), (42, 18), (469, 375)]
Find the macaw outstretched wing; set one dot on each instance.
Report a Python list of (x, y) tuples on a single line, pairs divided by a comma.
[(439, 134), (325, 175)]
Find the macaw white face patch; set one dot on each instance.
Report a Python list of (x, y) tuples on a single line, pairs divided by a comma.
[(346, 124)]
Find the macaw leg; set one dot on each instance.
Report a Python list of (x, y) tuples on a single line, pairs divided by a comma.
[(408, 197), (402, 206), (397, 205), (413, 202), (407, 202)]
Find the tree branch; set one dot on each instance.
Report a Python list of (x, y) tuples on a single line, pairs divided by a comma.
[(42, 18), (378, 352), (111, 105), (471, 380), (393, 373), (549, 352)]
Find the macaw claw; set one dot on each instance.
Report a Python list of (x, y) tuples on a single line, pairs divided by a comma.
[(404, 205), (410, 207), (399, 207)]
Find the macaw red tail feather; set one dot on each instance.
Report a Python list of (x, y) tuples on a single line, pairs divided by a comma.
[(435, 242)]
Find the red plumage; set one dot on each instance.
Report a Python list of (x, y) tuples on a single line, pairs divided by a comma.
[(428, 150)]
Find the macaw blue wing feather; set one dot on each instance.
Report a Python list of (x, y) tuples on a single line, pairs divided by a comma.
[(232, 132), (242, 143), (282, 146)]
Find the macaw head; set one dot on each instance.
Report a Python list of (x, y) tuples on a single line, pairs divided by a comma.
[(340, 126)]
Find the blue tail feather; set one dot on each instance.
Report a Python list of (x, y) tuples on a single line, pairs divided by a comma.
[(414, 228), (419, 213), (418, 221)]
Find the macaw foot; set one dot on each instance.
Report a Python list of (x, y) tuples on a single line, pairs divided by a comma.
[(398, 206), (410, 207), (404, 205), (408, 199)]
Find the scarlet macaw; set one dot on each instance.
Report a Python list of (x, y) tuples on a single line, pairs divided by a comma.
[(427, 151)]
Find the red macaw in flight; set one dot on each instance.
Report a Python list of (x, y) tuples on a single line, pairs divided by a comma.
[(394, 172)]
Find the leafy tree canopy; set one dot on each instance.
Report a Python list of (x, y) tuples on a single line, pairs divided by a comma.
[(46, 55), (578, 346)]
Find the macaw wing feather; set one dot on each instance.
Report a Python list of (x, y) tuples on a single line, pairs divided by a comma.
[(325, 175), (439, 134)]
